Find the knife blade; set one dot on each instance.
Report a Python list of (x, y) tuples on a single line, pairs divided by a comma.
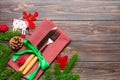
[(50, 33)]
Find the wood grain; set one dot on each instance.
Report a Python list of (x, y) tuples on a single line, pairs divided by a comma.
[(93, 25), (98, 70), (95, 40), (57, 10)]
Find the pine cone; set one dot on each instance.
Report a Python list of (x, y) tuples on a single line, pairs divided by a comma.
[(16, 43)]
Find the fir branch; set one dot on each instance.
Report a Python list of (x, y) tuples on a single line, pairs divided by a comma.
[(5, 74), (68, 77), (4, 49), (65, 75), (75, 76), (71, 63), (57, 70), (9, 34), (5, 56), (47, 75), (16, 76), (3, 61)]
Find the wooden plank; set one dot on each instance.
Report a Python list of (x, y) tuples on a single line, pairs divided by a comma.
[(88, 31), (97, 70), (57, 10), (97, 42), (96, 53), (95, 39)]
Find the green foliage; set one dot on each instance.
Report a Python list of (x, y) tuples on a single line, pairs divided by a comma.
[(47, 75), (4, 75), (4, 56), (9, 34), (68, 77), (71, 64), (4, 49), (57, 70), (65, 75), (16, 76)]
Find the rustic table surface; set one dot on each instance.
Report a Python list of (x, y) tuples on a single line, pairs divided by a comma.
[(93, 25)]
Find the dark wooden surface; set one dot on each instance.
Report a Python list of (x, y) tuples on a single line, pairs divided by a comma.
[(93, 25)]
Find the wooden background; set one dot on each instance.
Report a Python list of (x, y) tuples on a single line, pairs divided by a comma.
[(93, 25)]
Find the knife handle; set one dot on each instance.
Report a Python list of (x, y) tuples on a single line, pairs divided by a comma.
[(29, 59), (30, 65), (31, 62)]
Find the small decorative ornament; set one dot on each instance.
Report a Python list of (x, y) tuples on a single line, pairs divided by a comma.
[(30, 18), (62, 61), (20, 24), (3, 28), (16, 43), (21, 60)]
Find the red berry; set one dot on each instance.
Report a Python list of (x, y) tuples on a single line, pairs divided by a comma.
[(25, 16), (28, 20), (24, 13), (23, 35), (21, 60), (32, 18), (62, 61), (3, 27), (35, 14), (31, 25), (29, 15)]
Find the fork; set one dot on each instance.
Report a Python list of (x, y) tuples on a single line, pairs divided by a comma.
[(51, 40)]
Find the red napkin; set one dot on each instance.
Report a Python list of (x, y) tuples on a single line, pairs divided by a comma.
[(50, 52)]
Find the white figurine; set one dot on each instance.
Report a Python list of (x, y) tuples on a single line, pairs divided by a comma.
[(20, 24)]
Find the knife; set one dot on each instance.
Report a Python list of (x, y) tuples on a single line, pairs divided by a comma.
[(50, 33)]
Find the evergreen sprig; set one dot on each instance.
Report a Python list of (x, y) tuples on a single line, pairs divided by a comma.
[(4, 49), (47, 75), (16, 76), (65, 75), (9, 34), (5, 74), (57, 70), (71, 64)]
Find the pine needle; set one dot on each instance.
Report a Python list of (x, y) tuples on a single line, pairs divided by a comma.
[(4, 49), (9, 34), (5, 56), (68, 77), (5, 74), (65, 75), (16, 76), (47, 75), (71, 63), (57, 70)]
